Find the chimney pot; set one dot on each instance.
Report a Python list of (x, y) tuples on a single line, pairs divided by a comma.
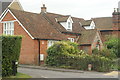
[(114, 10), (43, 9)]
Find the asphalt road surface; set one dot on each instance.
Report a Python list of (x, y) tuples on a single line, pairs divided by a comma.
[(37, 73)]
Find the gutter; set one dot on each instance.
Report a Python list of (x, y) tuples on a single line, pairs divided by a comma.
[(47, 39), (72, 33), (85, 45)]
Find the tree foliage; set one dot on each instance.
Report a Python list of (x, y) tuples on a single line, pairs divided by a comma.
[(113, 44), (67, 55)]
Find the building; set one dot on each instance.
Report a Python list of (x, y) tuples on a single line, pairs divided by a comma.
[(116, 21), (5, 4), (40, 31), (107, 26)]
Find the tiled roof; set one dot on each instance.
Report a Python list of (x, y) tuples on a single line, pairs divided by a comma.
[(77, 28), (103, 23), (87, 37), (87, 23), (37, 25), (62, 19)]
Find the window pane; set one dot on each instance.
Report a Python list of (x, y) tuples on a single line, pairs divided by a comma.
[(5, 26), (68, 24), (10, 26)]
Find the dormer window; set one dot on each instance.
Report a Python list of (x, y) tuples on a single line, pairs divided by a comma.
[(89, 24), (66, 22)]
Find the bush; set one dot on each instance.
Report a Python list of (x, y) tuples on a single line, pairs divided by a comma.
[(10, 53), (60, 55), (119, 64), (95, 51), (57, 53), (113, 44), (104, 52)]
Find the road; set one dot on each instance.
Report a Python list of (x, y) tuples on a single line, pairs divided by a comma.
[(37, 73)]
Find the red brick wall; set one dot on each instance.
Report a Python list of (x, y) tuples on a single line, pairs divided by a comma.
[(29, 49), (116, 24), (95, 42), (87, 49), (43, 48), (1, 28), (104, 35)]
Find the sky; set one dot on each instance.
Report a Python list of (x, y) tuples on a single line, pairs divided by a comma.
[(86, 9)]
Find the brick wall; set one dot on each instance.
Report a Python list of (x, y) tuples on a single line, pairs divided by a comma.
[(29, 49), (105, 34), (43, 49), (116, 23), (86, 48), (1, 28)]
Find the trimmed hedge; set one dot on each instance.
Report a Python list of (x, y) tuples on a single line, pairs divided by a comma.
[(59, 56), (11, 46), (0, 57)]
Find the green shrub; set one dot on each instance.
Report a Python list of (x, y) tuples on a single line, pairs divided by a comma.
[(10, 53), (60, 55), (0, 57), (104, 52), (95, 51), (113, 44)]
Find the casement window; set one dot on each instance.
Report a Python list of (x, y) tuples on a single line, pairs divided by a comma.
[(69, 25), (71, 39), (51, 42), (8, 28)]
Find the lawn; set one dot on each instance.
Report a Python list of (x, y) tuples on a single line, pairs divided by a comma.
[(19, 75)]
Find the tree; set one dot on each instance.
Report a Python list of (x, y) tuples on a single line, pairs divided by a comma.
[(113, 44)]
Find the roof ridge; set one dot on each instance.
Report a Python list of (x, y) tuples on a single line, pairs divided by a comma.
[(56, 14), (100, 17), (23, 11)]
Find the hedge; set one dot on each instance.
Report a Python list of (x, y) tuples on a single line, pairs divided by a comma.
[(59, 57), (11, 46), (0, 57)]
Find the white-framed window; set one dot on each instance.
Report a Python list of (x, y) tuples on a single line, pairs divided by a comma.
[(51, 42), (69, 25), (8, 28), (71, 39)]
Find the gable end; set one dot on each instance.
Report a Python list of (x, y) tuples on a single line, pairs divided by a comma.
[(16, 20)]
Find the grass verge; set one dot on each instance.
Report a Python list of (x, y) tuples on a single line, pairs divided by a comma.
[(20, 75)]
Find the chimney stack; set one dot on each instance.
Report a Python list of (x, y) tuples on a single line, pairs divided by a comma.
[(116, 18), (43, 9)]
